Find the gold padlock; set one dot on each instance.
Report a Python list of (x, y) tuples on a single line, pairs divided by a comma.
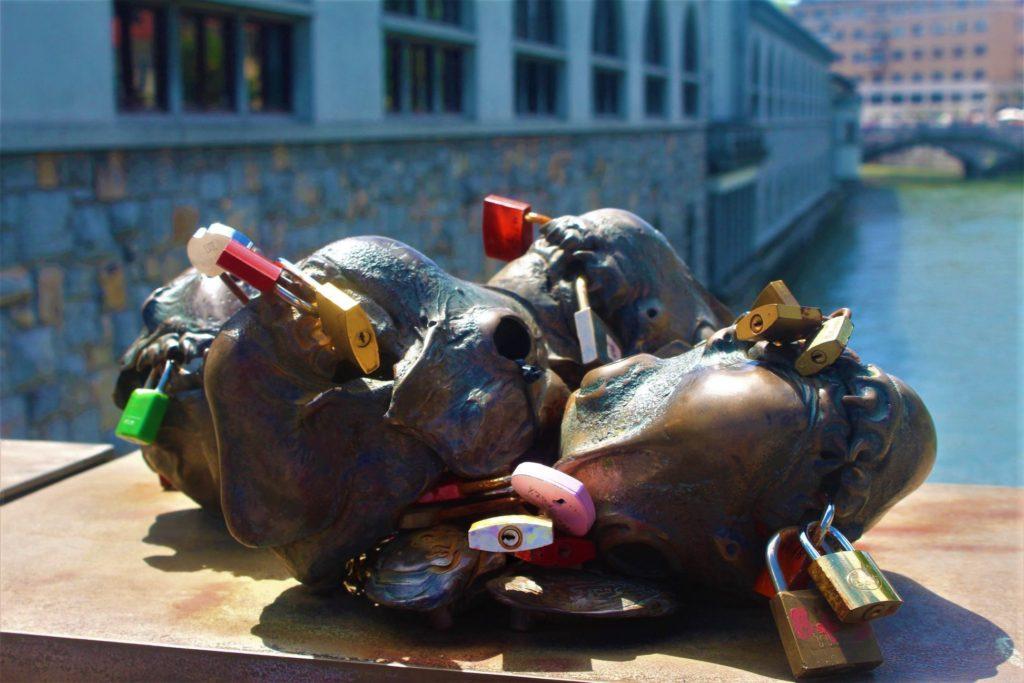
[(343, 320), (775, 292), (851, 582), (348, 326), (815, 642), (826, 346), (778, 323)]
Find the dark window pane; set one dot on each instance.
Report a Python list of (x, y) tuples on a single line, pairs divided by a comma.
[(447, 11), (535, 20), (691, 99), (606, 28), (607, 86), (536, 87), (268, 68), (690, 45), (654, 49), (422, 74), (138, 39), (393, 84), (207, 57), (451, 79), (401, 7), (654, 96)]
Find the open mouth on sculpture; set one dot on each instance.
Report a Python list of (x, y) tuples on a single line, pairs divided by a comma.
[(454, 498)]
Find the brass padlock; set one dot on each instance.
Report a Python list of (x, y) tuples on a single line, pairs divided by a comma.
[(775, 292), (596, 342), (778, 323), (826, 347), (850, 580), (343, 320), (348, 326), (816, 643)]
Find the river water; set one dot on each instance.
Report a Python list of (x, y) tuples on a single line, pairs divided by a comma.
[(932, 272)]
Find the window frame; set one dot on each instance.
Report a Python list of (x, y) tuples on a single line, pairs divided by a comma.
[(691, 78), (604, 64), (655, 71)]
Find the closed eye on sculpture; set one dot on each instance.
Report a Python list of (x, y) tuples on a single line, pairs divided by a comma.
[(512, 338)]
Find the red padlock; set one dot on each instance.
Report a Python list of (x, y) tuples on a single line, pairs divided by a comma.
[(256, 269), (566, 551), (508, 227)]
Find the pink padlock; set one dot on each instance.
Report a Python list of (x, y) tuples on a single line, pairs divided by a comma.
[(562, 497)]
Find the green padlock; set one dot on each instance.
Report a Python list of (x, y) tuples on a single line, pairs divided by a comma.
[(144, 412)]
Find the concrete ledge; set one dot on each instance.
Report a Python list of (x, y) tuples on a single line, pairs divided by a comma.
[(104, 575)]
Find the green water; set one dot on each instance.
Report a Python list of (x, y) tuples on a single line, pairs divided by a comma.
[(932, 272)]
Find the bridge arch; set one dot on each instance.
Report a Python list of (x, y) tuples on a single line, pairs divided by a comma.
[(982, 150)]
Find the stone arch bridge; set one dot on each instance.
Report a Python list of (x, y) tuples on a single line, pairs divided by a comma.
[(983, 150)]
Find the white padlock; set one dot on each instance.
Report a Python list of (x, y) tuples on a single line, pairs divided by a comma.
[(207, 244)]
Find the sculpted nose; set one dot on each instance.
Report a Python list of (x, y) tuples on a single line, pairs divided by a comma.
[(595, 380)]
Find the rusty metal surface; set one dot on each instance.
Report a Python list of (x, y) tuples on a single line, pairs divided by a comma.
[(29, 465), (107, 556)]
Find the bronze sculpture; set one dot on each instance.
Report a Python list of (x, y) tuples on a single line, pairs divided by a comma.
[(693, 459)]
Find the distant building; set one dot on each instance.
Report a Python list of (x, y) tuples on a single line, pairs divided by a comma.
[(935, 61), (125, 125)]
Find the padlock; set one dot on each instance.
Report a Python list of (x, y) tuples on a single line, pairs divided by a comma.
[(511, 533), (850, 580), (562, 497), (566, 551), (826, 346), (775, 292), (343, 320), (144, 413), (508, 227), (792, 559), (597, 344), (778, 323), (205, 247), (815, 641), (254, 268)]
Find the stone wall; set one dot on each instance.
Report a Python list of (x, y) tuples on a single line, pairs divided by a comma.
[(84, 237)]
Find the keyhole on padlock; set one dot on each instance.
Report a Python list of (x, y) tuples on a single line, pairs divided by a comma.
[(819, 357), (756, 323), (510, 537), (363, 338)]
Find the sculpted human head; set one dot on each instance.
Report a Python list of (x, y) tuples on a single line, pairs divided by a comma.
[(694, 461)]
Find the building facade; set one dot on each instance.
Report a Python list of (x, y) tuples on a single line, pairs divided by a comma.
[(925, 61), (304, 121)]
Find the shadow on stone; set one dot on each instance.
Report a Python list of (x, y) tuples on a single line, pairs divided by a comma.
[(201, 541), (930, 638)]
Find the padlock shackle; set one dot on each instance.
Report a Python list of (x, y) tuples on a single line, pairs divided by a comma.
[(771, 558), (166, 375), (809, 548), (841, 537), (582, 296)]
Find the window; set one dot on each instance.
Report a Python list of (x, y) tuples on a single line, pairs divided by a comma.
[(917, 55), (916, 98), (858, 34), (960, 28), (224, 61), (444, 11), (423, 77), (609, 67), (979, 75), (917, 30), (956, 97), (958, 52), (756, 96), (858, 58), (877, 98), (937, 53), (896, 98), (656, 76), (537, 86), (937, 97), (691, 63), (898, 31), (207, 61), (897, 55), (536, 21), (937, 75), (980, 26), (980, 50), (539, 58), (878, 78), (268, 66), (138, 35), (897, 77), (958, 75), (917, 77), (978, 96)]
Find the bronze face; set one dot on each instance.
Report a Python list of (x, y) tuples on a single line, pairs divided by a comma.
[(694, 461)]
